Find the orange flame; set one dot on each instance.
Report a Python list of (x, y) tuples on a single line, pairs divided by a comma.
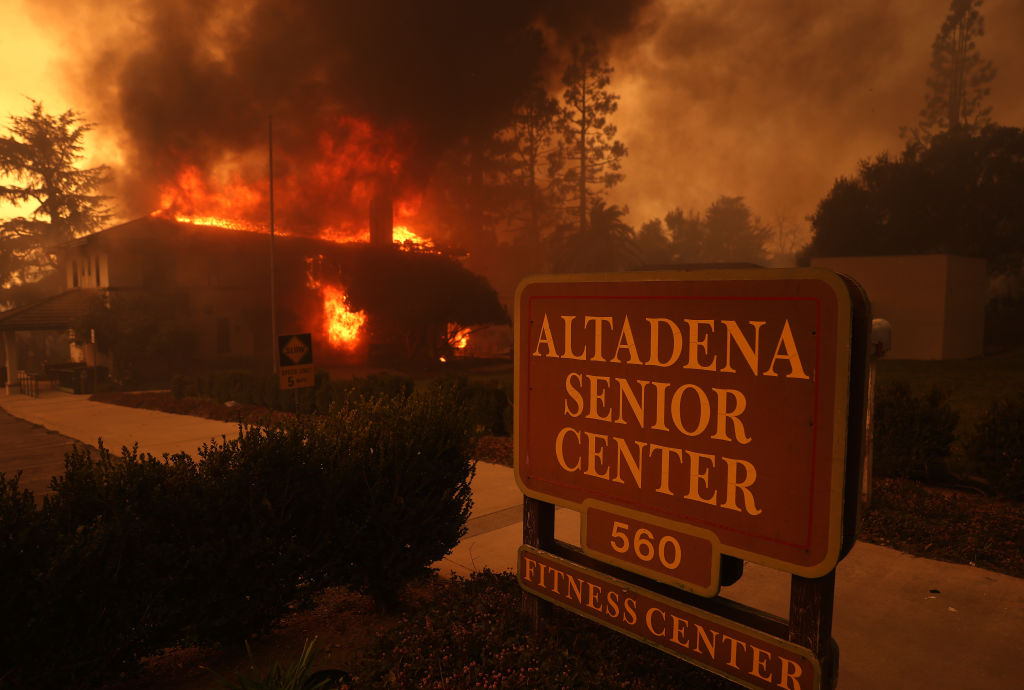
[(190, 200), (458, 337), (343, 325)]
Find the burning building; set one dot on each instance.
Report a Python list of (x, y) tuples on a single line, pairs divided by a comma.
[(209, 290)]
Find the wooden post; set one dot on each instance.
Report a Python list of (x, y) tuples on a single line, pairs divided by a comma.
[(539, 531), (810, 621)]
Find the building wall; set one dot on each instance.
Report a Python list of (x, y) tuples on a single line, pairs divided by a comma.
[(935, 302)]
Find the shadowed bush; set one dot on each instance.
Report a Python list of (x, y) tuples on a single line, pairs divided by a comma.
[(995, 447), (133, 554), (912, 434)]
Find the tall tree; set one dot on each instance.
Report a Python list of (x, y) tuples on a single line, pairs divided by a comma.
[(39, 159), (959, 79), (531, 145), (591, 154)]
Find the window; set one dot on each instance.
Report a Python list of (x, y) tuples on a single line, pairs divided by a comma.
[(97, 271), (74, 274)]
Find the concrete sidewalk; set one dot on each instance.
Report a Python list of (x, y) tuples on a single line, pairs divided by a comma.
[(900, 621), (80, 418)]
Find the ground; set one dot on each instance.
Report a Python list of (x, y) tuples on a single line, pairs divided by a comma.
[(921, 520)]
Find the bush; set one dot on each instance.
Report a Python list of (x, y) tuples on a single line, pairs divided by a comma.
[(338, 393), (912, 434), (995, 447), (133, 554), (487, 402), (470, 634), (250, 388)]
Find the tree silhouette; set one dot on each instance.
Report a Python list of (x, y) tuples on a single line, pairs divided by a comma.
[(732, 233), (959, 194), (40, 158), (606, 243), (531, 144), (653, 245), (959, 79), (590, 153), (727, 232), (687, 233)]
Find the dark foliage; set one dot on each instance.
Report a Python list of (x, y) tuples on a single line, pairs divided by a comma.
[(133, 554), (960, 195), (249, 388), (947, 525), (488, 404), (912, 434), (727, 232), (470, 634), (995, 447)]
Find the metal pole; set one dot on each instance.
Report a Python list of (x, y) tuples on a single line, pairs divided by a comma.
[(273, 274)]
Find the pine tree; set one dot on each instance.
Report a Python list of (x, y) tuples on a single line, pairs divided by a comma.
[(39, 166), (530, 138), (590, 152), (959, 79)]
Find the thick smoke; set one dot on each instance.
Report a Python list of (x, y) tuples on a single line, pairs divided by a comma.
[(192, 82), (773, 100)]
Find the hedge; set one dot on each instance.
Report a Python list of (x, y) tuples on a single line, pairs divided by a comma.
[(912, 434), (995, 447), (133, 554)]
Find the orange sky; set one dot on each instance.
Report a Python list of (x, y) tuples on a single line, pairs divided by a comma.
[(769, 100)]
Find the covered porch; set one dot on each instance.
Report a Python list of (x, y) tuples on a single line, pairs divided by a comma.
[(28, 367)]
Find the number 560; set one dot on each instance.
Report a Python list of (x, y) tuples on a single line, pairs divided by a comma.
[(668, 551)]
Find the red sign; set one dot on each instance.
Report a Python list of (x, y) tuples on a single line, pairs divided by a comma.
[(710, 404), (738, 652)]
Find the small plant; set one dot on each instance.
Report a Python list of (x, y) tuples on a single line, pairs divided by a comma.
[(296, 676), (913, 434), (995, 447)]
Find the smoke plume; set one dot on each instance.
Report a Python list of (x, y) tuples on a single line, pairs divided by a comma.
[(391, 83)]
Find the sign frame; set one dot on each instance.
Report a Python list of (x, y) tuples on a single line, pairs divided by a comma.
[(845, 293), (809, 624)]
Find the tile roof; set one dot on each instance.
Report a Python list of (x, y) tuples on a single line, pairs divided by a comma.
[(57, 312)]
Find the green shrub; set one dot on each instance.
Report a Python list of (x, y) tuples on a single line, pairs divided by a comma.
[(26, 549), (995, 447), (912, 434), (486, 402), (133, 554)]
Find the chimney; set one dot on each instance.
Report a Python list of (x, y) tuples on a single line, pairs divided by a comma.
[(382, 215)]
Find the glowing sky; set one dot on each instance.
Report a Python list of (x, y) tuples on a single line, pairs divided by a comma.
[(771, 100)]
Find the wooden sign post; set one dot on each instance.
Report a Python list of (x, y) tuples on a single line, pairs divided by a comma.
[(694, 419)]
